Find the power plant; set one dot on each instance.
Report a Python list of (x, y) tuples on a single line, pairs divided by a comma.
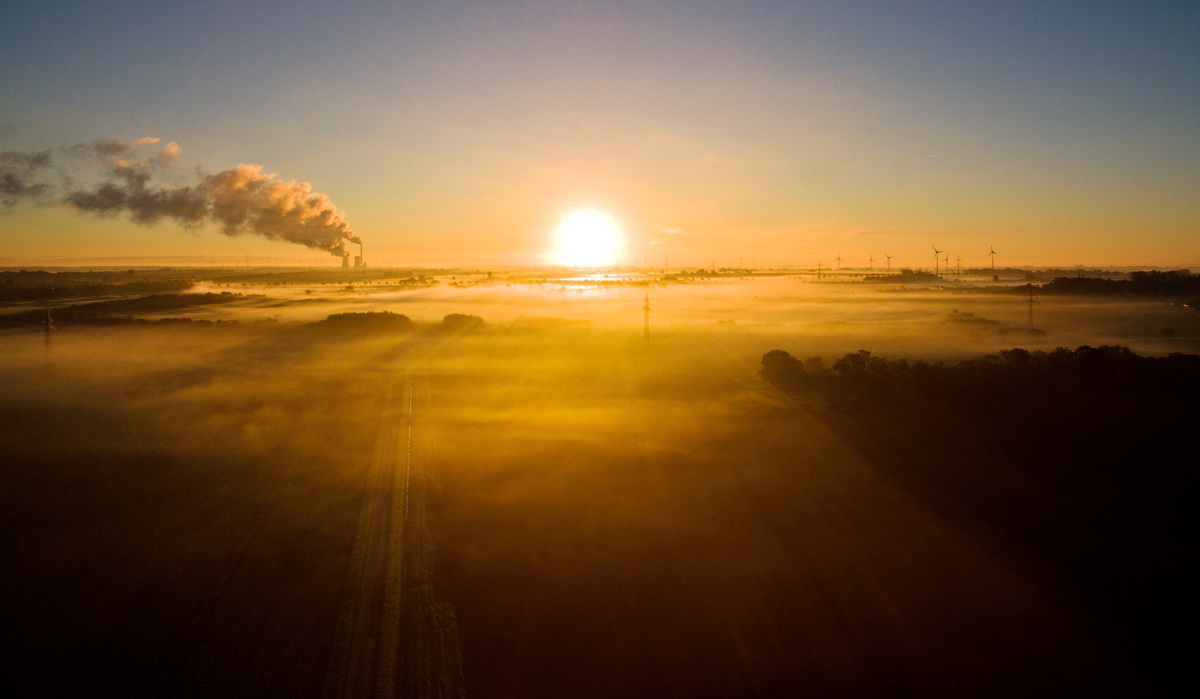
[(358, 259)]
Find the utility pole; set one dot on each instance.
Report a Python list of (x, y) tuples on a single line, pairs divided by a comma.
[(646, 315), (49, 328), (1030, 301)]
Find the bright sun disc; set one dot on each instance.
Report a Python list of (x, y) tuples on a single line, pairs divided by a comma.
[(587, 238)]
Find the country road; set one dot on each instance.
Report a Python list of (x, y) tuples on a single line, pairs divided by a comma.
[(394, 639), (374, 581)]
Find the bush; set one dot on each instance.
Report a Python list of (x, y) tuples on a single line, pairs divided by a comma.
[(370, 321), (461, 322)]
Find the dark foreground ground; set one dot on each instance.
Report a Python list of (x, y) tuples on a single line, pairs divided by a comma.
[(177, 510), (665, 527), (178, 506)]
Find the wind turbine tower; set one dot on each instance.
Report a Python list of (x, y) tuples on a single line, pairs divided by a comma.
[(937, 260), (992, 254), (889, 261), (871, 262), (838, 260)]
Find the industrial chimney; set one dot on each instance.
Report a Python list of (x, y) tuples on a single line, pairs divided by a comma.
[(358, 260)]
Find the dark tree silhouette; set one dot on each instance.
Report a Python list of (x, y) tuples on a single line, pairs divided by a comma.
[(1082, 457)]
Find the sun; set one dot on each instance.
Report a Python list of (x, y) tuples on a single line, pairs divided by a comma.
[(587, 238)]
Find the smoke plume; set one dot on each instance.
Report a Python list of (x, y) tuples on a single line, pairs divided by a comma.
[(241, 200)]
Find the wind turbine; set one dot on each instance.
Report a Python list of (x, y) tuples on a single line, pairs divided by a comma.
[(889, 261), (937, 260), (838, 260), (871, 262), (992, 254)]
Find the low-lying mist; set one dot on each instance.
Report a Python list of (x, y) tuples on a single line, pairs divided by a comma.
[(612, 516), (831, 318)]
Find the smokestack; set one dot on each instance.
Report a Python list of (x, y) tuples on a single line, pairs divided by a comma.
[(360, 261)]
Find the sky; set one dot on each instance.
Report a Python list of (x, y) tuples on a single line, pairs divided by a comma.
[(766, 133)]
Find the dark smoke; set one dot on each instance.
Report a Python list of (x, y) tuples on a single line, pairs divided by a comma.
[(17, 177), (241, 200)]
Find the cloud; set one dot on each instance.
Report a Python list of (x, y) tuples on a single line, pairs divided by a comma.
[(169, 153)]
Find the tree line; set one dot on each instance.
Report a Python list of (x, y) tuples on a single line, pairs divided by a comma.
[(1008, 375), (1166, 283)]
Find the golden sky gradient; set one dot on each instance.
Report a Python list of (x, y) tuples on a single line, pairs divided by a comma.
[(783, 133)]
